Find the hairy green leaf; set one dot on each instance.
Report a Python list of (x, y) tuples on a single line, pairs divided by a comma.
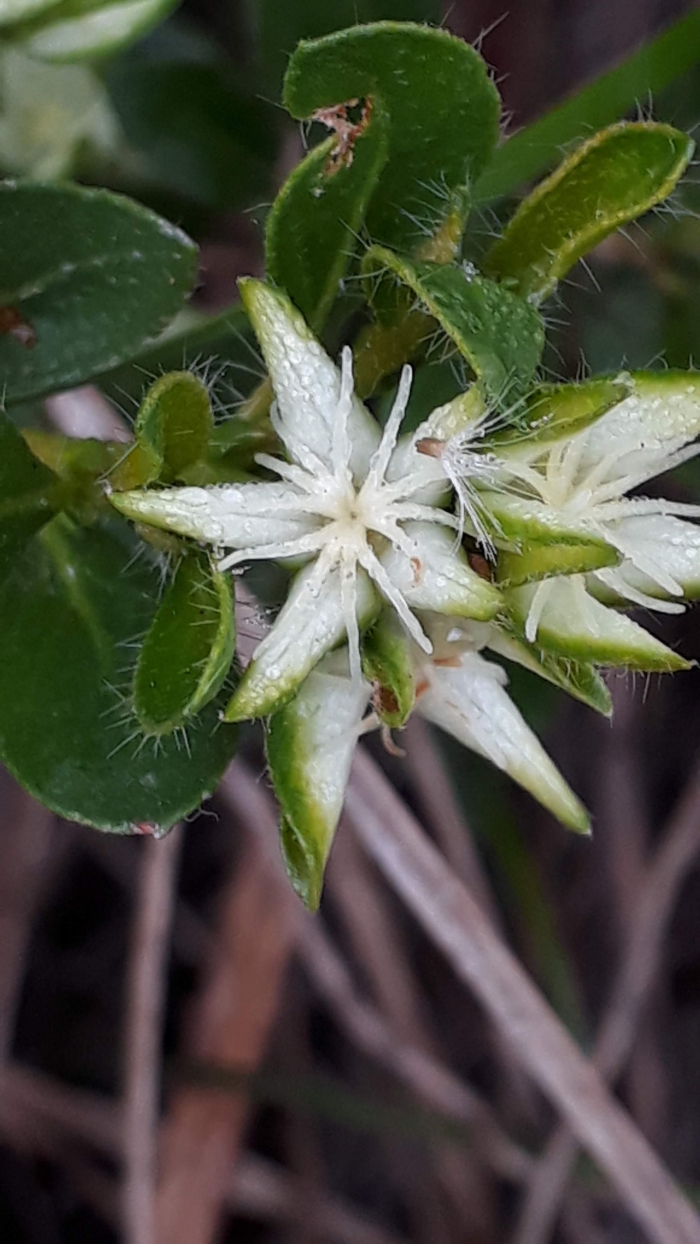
[(611, 179), (441, 107), (311, 231), (85, 278), (187, 653), (69, 612), (499, 334), (175, 424)]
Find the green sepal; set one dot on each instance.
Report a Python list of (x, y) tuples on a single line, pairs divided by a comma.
[(612, 178), (386, 663), (174, 424), (541, 561), (521, 520), (576, 625), (554, 411), (579, 679), (441, 108), (310, 744), (28, 494), (313, 225), (499, 334), (188, 650)]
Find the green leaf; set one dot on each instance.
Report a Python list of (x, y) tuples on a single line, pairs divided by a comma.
[(91, 275), (311, 231), (279, 25), (499, 334), (386, 662), (611, 179), (578, 678), (188, 651), (441, 107), (200, 134), (68, 614), (26, 488), (646, 72), (174, 424), (83, 29)]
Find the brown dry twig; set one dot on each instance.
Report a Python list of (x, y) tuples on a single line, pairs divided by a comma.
[(452, 919), (677, 853), (145, 989), (231, 1020)]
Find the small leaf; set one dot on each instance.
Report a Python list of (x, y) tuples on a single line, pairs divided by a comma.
[(311, 231), (175, 423), (499, 334), (611, 179), (187, 653), (441, 107), (93, 274), (386, 663), (310, 745), (279, 26), (27, 494), (82, 29), (68, 613)]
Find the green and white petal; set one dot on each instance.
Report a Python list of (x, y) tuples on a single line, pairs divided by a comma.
[(445, 421), (310, 745), (670, 550), (311, 623), (541, 561), (520, 520), (306, 382), (641, 434), (232, 516), (562, 616), (579, 679), (553, 412), (470, 702), (438, 577)]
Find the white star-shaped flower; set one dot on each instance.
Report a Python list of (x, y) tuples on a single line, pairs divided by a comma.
[(348, 502), (576, 485)]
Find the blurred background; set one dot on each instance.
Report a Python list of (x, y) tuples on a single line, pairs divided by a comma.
[(332, 1080)]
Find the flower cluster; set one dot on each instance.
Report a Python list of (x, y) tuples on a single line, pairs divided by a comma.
[(387, 614)]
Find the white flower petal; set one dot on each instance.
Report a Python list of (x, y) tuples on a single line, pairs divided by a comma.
[(573, 623), (311, 622), (470, 703), (438, 576), (642, 432), (224, 515), (310, 746), (305, 380), (668, 541)]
